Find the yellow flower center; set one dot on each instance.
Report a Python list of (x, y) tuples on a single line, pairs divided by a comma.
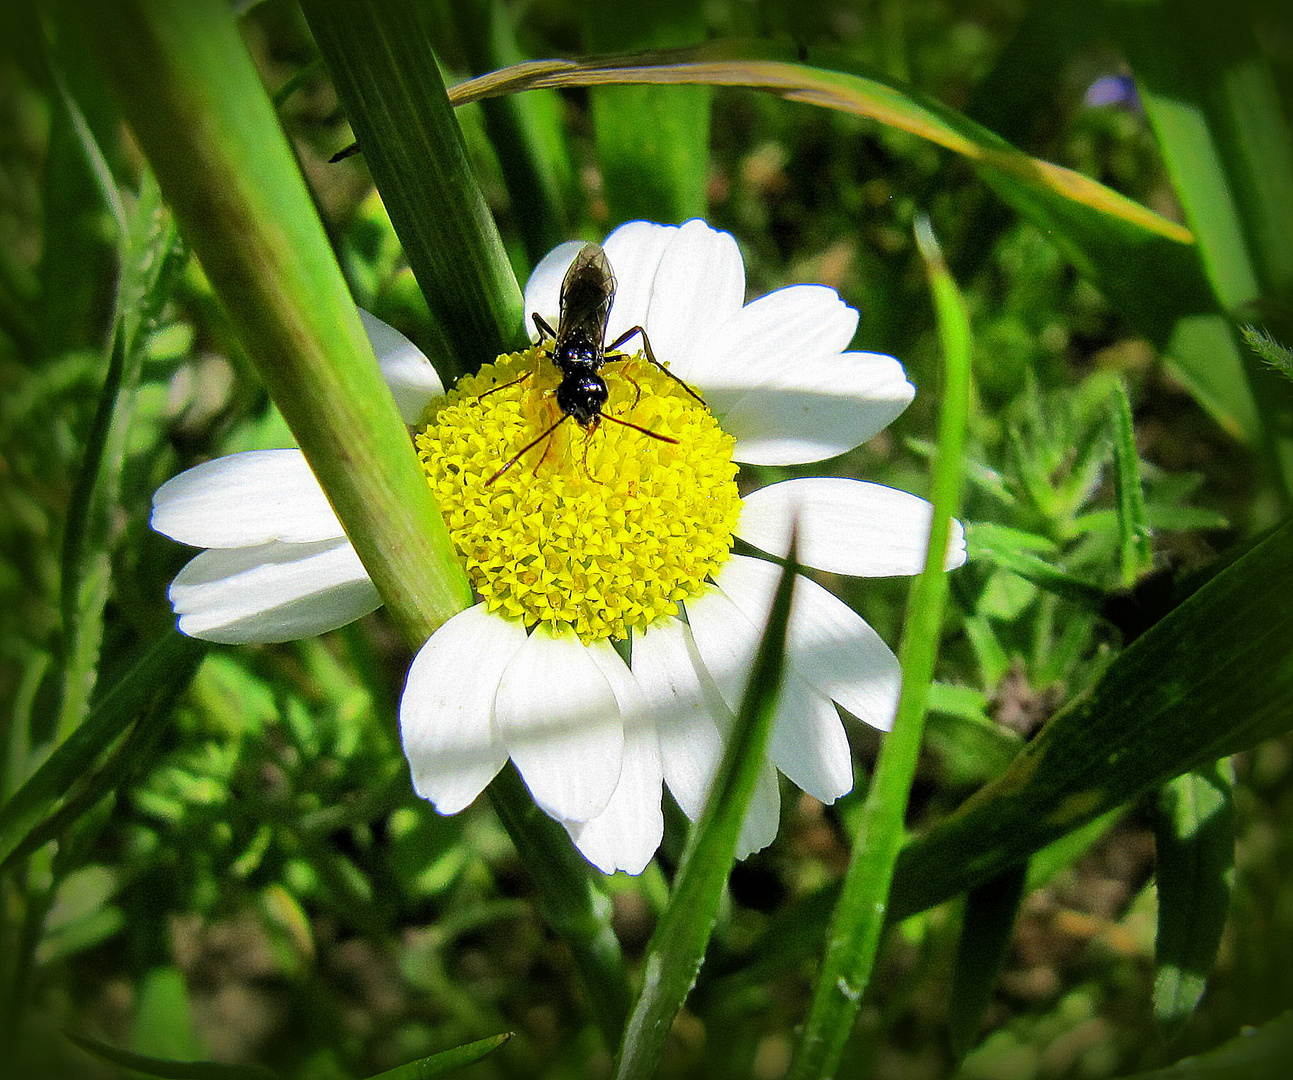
[(603, 530)]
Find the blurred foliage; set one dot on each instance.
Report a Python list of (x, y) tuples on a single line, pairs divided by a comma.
[(255, 882)]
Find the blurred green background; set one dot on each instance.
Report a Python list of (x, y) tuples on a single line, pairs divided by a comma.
[(246, 876)]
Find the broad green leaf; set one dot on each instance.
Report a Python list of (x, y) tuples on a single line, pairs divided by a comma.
[(987, 927), (446, 1061), (1213, 677), (677, 948), (652, 141), (162, 1023), (1194, 830)]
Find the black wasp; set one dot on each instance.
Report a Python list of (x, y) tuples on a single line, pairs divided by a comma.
[(587, 292)]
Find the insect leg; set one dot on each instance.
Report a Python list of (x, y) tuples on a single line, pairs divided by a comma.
[(541, 324), (646, 346), (637, 390), (526, 449)]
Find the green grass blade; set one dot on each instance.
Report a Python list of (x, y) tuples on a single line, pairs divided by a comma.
[(208, 129), (1260, 1053), (1140, 260), (1136, 556), (1194, 831), (652, 142), (446, 1061), (1212, 98), (987, 928), (1213, 677), (385, 72), (525, 131), (677, 947), (168, 1068), (993, 544), (837, 82), (859, 917)]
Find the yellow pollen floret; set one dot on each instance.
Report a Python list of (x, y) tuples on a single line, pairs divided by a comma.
[(605, 530)]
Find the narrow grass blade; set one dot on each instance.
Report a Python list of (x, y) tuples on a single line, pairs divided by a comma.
[(446, 1061), (151, 258), (1139, 259), (1136, 556), (652, 142), (525, 131), (854, 936), (169, 1068), (385, 72), (987, 928), (677, 947), (996, 546), (197, 107), (1194, 830), (1214, 102), (837, 82)]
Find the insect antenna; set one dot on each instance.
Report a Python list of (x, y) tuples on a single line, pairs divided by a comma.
[(535, 442), (635, 427)]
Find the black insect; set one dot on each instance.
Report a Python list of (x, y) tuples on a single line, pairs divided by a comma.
[(587, 293)]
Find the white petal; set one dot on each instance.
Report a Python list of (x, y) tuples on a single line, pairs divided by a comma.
[(700, 284), (559, 719), (821, 407), (807, 741), (845, 526), (763, 817), (772, 334), (627, 833), (689, 715), (543, 290), (446, 713), (691, 722), (634, 251), (272, 592), (829, 645), (725, 640), (245, 499), (409, 374)]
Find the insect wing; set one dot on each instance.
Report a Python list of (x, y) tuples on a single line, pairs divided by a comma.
[(586, 296)]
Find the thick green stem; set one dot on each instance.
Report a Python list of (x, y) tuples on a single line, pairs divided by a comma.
[(196, 105)]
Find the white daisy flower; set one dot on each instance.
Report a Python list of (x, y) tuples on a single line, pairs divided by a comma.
[(615, 627)]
